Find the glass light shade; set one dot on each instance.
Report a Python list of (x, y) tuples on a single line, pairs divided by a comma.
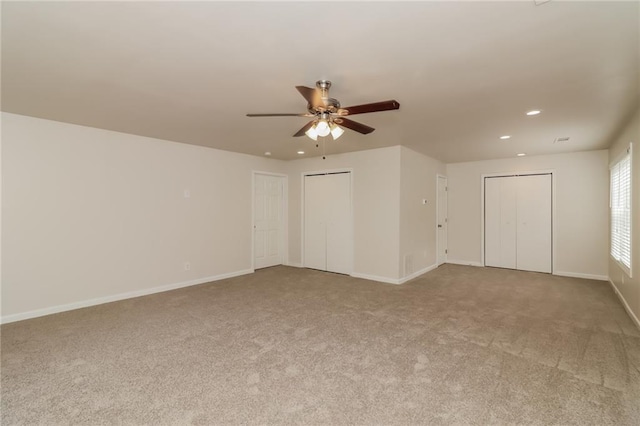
[(322, 128), (336, 131), (312, 133)]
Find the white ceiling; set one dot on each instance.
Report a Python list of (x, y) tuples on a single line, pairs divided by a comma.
[(464, 73)]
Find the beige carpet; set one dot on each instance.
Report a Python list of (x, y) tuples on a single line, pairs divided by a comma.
[(292, 346)]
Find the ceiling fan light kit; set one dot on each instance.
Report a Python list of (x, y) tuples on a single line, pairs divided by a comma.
[(322, 126), (328, 115), (336, 131), (312, 133)]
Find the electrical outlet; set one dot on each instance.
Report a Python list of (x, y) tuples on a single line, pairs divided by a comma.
[(187, 266)]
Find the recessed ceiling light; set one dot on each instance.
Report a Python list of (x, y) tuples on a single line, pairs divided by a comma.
[(505, 137), (522, 154), (300, 152), (534, 112), (267, 153)]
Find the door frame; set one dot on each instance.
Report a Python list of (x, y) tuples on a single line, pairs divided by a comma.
[(553, 209), (302, 204), (284, 203), (439, 176)]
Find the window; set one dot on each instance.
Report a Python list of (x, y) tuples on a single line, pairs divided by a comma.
[(621, 211)]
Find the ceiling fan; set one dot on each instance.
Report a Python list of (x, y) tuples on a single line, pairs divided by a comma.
[(328, 115)]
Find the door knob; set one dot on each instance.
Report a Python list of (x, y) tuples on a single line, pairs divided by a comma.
[(439, 226)]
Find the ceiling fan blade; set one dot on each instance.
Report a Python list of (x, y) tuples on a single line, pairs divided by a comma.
[(306, 127), (311, 95), (279, 115), (350, 124), (373, 107)]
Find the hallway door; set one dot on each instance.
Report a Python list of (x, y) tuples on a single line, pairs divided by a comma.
[(268, 224), (442, 220)]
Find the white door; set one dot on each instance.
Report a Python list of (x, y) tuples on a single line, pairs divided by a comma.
[(442, 220), (518, 222), (338, 223), (327, 223), (534, 223), (268, 220), (500, 221), (315, 239)]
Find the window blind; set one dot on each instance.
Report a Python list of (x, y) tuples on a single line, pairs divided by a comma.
[(621, 211)]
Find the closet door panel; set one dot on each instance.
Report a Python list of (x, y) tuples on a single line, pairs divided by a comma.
[(338, 220), (534, 223), (492, 222), (500, 222), (508, 221), (315, 204)]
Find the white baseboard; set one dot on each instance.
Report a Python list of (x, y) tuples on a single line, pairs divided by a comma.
[(114, 298), (464, 262), (376, 278), (393, 280), (580, 275), (633, 316), (417, 274), (295, 265)]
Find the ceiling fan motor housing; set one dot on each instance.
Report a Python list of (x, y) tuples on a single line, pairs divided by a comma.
[(330, 105)]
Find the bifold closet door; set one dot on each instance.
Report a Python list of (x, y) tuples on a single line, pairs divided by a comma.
[(533, 249), (327, 223), (315, 242), (500, 221), (518, 222), (338, 219)]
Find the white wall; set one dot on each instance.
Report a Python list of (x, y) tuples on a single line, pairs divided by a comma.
[(418, 181), (581, 209), (629, 288), (90, 214), (376, 211)]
